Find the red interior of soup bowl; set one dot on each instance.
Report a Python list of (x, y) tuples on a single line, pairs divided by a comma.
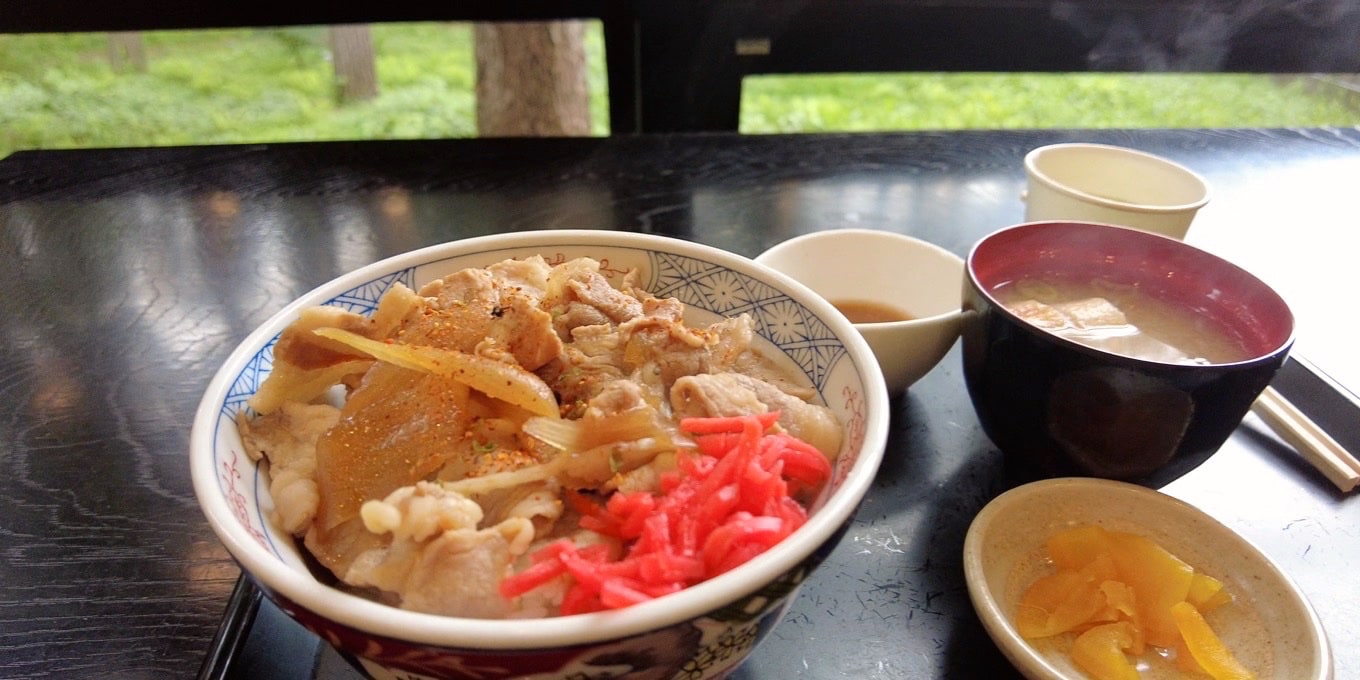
[(1161, 267)]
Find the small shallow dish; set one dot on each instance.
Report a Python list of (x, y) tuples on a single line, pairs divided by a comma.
[(1270, 625), (701, 632)]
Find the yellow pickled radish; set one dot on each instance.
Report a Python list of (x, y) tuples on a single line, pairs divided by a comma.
[(1122, 606), (1186, 663), (1120, 600), (1100, 652), (1076, 547), (1057, 603), (1207, 593), (1205, 646), (1102, 568), (1120, 593), (1158, 579)]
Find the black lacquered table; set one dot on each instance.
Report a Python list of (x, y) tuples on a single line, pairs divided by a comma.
[(132, 274)]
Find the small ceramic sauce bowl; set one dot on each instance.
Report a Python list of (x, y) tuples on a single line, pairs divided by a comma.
[(883, 270), (1270, 627)]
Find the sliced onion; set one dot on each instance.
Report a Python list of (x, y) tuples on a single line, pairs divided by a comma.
[(497, 379)]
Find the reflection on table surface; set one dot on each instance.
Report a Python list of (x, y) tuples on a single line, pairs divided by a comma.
[(133, 273)]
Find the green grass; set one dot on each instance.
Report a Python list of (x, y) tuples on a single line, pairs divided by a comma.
[(267, 85), (1010, 100)]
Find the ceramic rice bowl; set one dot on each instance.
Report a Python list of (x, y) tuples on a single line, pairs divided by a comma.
[(702, 632)]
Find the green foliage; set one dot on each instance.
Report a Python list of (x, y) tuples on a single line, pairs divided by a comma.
[(430, 107), (411, 53), (262, 85), (240, 86), (598, 81), (27, 57)]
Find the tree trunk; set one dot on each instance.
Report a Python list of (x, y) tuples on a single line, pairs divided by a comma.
[(531, 79), (126, 49), (352, 52)]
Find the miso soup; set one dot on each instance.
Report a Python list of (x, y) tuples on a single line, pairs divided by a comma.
[(1122, 320)]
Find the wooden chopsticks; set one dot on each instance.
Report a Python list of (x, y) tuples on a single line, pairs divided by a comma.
[(1316, 446)]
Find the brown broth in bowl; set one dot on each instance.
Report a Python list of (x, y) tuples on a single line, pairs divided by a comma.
[(870, 311), (1122, 320)]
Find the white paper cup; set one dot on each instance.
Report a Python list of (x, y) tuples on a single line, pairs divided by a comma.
[(1114, 185)]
